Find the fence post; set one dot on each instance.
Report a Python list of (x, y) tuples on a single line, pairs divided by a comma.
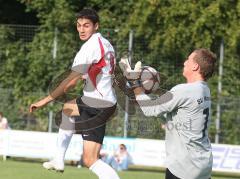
[(54, 54), (220, 71), (130, 52)]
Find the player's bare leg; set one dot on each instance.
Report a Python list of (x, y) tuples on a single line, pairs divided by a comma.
[(70, 108), (64, 137)]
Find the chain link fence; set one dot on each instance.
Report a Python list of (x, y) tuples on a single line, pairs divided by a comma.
[(137, 125)]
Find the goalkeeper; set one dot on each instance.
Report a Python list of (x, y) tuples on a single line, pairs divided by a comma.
[(187, 108)]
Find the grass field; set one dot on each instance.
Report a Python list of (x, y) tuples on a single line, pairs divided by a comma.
[(11, 169)]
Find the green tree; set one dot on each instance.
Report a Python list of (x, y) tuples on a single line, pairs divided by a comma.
[(165, 32)]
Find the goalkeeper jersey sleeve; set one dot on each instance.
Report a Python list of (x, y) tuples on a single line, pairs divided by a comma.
[(187, 108)]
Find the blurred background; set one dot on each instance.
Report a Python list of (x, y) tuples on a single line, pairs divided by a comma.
[(38, 41)]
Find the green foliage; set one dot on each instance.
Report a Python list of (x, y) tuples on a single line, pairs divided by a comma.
[(165, 32), (172, 29)]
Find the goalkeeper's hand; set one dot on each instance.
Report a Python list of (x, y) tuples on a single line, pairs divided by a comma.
[(133, 76), (128, 72)]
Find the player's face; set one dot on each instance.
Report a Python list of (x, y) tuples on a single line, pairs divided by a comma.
[(189, 65), (86, 28)]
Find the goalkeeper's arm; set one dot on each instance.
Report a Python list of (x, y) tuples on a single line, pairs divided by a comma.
[(154, 107), (149, 107)]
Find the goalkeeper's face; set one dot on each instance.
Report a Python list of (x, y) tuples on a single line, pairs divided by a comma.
[(86, 28), (190, 66)]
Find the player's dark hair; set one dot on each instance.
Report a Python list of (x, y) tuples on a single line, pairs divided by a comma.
[(88, 14), (206, 60)]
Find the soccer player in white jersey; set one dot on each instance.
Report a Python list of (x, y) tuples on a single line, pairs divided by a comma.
[(95, 64), (187, 108)]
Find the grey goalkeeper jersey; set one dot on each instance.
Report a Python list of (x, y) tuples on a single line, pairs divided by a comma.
[(187, 109)]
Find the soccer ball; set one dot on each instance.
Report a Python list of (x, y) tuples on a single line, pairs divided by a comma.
[(150, 79)]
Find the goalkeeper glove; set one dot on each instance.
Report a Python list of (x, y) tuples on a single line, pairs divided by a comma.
[(132, 76)]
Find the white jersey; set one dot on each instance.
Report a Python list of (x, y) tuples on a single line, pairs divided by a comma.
[(96, 61), (187, 108)]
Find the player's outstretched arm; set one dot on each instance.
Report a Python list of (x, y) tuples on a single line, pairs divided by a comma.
[(68, 83), (40, 103), (71, 84)]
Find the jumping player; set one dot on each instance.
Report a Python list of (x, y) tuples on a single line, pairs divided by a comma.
[(94, 63)]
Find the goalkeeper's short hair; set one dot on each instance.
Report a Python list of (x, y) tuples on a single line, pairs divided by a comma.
[(206, 60)]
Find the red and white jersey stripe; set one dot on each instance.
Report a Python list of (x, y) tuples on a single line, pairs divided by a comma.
[(96, 62)]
